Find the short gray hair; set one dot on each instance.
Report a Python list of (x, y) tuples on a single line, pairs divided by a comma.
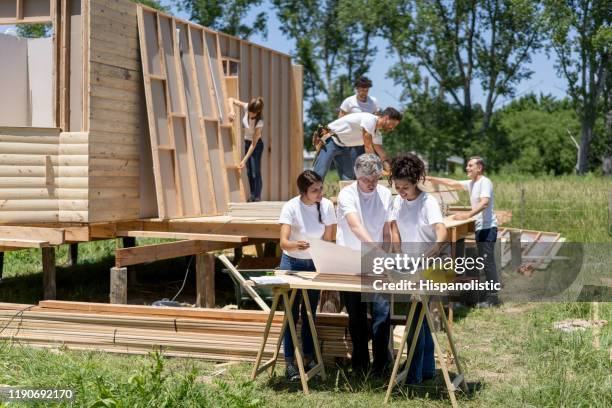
[(368, 164), (479, 162)]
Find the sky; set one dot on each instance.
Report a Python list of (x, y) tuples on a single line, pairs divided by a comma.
[(543, 80)]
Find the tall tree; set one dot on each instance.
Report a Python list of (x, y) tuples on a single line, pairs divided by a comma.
[(581, 35), (334, 43), (227, 16), (457, 43)]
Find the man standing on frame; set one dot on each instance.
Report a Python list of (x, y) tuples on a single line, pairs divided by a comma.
[(480, 188)]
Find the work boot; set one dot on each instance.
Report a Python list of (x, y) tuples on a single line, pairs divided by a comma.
[(291, 372)]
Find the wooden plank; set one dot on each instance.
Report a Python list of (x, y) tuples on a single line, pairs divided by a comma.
[(297, 127), (178, 235), (216, 162), (23, 243), (196, 122), (157, 252), (275, 82), (53, 236), (150, 65), (285, 133)]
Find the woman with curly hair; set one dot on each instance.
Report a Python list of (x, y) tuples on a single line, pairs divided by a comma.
[(416, 219)]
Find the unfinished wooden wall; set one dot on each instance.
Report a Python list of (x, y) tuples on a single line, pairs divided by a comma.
[(117, 111), (43, 175)]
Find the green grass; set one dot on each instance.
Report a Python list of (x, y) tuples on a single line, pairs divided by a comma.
[(513, 352)]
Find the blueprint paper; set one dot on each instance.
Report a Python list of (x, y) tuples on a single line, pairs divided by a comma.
[(334, 259)]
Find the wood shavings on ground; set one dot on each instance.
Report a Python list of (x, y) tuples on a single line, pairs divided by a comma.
[(571, 325)]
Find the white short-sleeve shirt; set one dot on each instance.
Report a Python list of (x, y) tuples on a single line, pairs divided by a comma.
[(249, 126), (353, 105), (481, 188), (349, 128), (416, 219), (304, 221), (372, 208)]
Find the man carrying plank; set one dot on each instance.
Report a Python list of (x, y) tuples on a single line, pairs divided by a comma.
[(480, 188), (336, 140)]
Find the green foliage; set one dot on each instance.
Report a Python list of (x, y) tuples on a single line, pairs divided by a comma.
[(34, 30), (334, 43), (156, 4), (461, 42), (581, 35), (226, 15)]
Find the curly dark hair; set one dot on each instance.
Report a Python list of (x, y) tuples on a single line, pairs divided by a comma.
[(363, 82), (408, 167)]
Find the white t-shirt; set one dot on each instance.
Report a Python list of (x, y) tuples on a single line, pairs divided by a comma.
[(249, 126), (482, 188), (372, 208), (416, 219), (304, 221), (349, 128), (354, 105)]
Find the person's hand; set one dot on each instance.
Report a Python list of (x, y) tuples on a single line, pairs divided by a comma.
[(461, 216), (231, 116), (302, 245), (240, 165)]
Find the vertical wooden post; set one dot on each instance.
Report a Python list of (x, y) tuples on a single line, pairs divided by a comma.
[(48, 262), (130, 242), (118, 285), (205, 280), (73, 254), (1, 264), (237, 255), (515, 249)]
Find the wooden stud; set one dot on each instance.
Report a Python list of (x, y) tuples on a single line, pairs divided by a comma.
[(48, 263), (73, 255), (205, 278), (118, 285)]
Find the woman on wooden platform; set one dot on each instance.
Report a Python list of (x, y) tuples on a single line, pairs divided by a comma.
[(252, 122), (416, 222), (307, 215)]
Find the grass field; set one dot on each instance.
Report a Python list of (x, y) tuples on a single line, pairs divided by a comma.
[(513, 355)]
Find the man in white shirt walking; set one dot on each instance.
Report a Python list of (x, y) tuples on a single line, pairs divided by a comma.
[(480, 188), (363, 217), (360, 102), (354, 129)]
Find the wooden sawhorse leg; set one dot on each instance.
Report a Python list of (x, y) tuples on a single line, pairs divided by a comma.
[(288, 300), (396, 378)]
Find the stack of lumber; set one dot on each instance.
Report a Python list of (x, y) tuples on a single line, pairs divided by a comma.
[(259, 210), (211, 334)]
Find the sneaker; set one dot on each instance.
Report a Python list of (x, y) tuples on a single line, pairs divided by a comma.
[(292, 373), (311, 364)]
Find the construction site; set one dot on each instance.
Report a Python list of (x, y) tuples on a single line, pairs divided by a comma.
[(118, 128)]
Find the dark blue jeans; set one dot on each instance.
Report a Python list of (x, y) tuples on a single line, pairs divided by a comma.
[(254, 169), (359, 331), (290, 263), (423, 365), (485, 243), (340, 155)]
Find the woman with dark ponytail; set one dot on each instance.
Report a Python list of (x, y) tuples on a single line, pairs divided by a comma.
[(309, 215), (417, 223)]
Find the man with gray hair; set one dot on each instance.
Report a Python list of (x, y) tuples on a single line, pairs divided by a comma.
[(363, 217), (480, 188)]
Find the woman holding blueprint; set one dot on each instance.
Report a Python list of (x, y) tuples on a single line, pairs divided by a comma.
[(416, 222), (308, 215)]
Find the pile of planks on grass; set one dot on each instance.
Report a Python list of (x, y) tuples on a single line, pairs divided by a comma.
[(210, 334)]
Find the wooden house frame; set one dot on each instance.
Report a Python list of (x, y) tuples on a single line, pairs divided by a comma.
[(95, 163)]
